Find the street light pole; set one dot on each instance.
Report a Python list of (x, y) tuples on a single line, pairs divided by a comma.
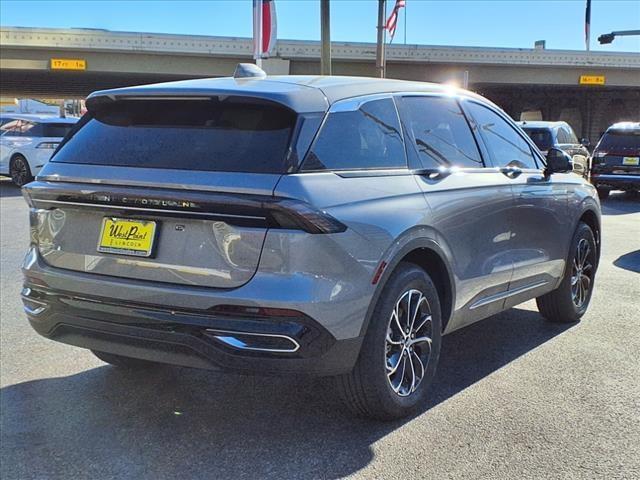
[(380, 45), (608, 37), (325, 38)]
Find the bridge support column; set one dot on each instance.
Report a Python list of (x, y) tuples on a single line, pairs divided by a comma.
[(276, 66)]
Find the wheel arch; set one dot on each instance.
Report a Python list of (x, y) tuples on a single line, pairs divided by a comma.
[(18, 153), (429, 256), (592, 219)]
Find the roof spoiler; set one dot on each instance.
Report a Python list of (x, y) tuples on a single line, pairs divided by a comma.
[(249, 70)]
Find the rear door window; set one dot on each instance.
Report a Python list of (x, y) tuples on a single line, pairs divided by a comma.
[(542, 137), (506, 146), (562, 136), (56, 129), (226, 134), (366, 138), (31, 129), (440, 132), (571, 136), (11, 128)]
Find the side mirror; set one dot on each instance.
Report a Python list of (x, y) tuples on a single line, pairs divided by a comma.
[(558, 161), (585, 142)]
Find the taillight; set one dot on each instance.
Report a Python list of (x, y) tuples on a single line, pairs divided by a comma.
[(299, 215)]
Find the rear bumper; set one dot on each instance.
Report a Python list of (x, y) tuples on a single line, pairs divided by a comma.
[(624, 181), (295, 345)]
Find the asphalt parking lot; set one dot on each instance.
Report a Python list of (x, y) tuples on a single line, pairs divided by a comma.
[(514, 398)]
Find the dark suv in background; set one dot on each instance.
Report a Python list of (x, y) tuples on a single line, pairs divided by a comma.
[(320, 225), (547, 135), (616, 159)]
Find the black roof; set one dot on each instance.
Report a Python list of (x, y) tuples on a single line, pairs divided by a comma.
[(300, 93)]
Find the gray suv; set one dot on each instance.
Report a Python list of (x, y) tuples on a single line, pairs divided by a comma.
[(331, 226)]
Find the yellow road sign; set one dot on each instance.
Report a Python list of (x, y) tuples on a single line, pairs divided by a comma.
[(592, 79), (68, 64)]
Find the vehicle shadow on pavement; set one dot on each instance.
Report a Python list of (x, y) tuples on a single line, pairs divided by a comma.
[(187, 423), (8, 189), (629, 261), (621, 203)]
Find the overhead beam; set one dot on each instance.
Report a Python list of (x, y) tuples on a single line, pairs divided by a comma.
[(192, 45)]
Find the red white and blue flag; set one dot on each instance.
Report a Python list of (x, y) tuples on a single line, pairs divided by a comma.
[(392, 21), (264, 28)]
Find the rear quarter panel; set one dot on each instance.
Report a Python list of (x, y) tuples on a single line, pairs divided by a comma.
[(382, 213)]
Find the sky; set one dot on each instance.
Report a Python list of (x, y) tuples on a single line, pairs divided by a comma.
[(494, 23)]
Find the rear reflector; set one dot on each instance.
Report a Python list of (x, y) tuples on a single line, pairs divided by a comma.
[(379, 272), (244, 311)]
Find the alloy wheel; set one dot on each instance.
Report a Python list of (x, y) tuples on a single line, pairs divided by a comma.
[(19, 171), (581, 273), (408, 342)]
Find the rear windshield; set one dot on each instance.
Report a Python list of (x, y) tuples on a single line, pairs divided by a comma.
[(56, 129), (620, 140), (541, 137), (230, 134)]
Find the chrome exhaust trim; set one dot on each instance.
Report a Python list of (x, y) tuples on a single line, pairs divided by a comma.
[(30, 306), (235, 339)]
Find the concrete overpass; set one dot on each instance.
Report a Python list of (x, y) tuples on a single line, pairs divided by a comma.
[(545, 81)]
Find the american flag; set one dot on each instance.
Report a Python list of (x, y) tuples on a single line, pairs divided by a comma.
[(392, 21), (264, 28)]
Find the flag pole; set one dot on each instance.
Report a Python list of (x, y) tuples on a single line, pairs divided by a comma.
[(405, 24), (587, 25), (257, 32), (380, 44), (325, 38)]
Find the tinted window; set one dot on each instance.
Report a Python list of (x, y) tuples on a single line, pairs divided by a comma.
[(541, 137), (440, 131), (31, 129), (620, 141), (56, 129), (5, 120), (506, 146), (11, 128), (229, 135), (365, 138), (562, 136), (571, 136)]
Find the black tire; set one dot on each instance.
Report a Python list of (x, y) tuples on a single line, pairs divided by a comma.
[(565, 304), (123, 362), (603, 192), (20, 171), (367, 390)]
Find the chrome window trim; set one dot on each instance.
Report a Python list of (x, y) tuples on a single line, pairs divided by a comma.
[(534, 149), (457, 98), (352, 104)]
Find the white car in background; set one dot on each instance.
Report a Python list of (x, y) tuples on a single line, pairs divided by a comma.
[(27, 142)]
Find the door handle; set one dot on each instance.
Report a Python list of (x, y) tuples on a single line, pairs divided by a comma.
[(511, 172), (433, 173)]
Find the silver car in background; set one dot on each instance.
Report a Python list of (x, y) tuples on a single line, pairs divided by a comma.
[(27, 142), (334, 226)]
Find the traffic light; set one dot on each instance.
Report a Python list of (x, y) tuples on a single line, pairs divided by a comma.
[(606, 38)]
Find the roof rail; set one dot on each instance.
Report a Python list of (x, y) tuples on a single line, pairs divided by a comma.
[(249, 70)]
